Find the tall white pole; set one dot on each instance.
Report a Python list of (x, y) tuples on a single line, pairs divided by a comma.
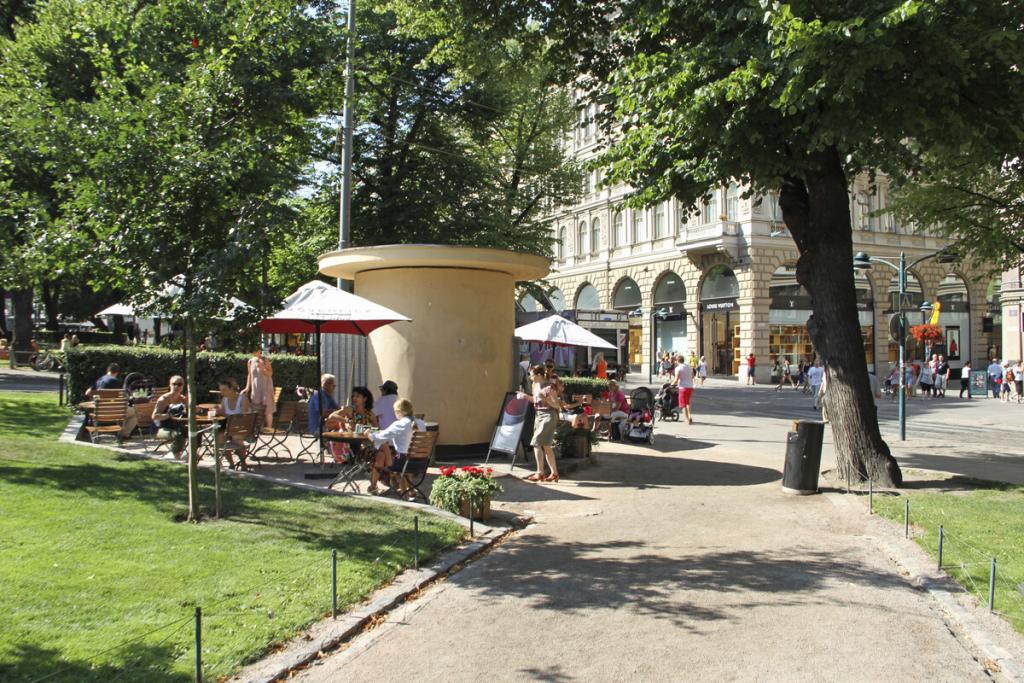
[(345, 212)]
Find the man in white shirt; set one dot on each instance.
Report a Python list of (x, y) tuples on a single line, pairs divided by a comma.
[(684, 382), (814, 377), (995, 377)]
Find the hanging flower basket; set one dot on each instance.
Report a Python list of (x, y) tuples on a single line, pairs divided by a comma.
[(926, 333)]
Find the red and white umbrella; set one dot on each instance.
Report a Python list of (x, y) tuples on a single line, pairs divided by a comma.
[(317, 307)]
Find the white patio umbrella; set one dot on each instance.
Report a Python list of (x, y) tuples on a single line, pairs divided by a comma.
[(116, 309), (557, 330)]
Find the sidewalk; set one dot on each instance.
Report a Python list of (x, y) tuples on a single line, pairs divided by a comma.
[(682, 561)]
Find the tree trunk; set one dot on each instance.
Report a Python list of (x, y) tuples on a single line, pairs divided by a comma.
[(48, 290), (193, 440), (3, 312), (816, 211), (22, 341)]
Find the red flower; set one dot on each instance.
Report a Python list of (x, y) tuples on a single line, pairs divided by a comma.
[(447, 471)]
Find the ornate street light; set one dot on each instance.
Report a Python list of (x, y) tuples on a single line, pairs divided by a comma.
[(861, 261)]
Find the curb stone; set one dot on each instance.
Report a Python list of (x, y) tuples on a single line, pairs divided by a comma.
[(967, 623)]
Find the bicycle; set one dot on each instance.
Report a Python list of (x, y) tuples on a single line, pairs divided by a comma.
[(45, 361)]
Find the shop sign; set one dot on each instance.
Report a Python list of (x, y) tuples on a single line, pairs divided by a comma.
[(723, 305)]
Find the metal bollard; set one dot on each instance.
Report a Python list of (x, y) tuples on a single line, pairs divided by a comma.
[(416, 542), (906, 518), (471, 517), (334, 584), (60, 389), (199, 645), (871, 496), (992, 587), (940, 546)]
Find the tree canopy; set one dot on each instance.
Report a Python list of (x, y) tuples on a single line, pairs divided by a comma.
[(793, 96)]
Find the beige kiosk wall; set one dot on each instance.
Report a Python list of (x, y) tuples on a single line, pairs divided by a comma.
[(454, 360)]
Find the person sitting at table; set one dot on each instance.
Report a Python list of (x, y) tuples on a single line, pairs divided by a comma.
[(398, 437), (358, 412), (322, 403), (111, 380), (384, 407), (169, 417), (233, 402)]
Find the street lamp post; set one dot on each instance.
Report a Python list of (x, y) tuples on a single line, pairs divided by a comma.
[(863, 262)]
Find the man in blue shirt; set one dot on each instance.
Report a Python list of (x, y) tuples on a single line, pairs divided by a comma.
[(995, 377), (322, 403), (111, 380)]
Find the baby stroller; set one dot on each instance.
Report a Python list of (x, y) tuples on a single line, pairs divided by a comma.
[(640, 426), (667, 403)]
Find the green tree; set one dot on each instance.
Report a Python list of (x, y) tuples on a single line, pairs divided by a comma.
[(440, 156), (795, 96), (977, 201), (189, 126)]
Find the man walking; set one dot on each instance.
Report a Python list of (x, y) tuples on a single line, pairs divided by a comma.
[(684, 382), (941, 376), (814, 377), (995, 377)]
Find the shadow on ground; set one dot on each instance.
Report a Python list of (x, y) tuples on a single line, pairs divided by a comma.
[(575, 577), (142, 662)]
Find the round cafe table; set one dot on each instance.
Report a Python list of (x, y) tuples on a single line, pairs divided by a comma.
[(362, 459)]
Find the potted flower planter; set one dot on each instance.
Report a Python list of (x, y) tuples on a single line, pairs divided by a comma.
[(481, 512)]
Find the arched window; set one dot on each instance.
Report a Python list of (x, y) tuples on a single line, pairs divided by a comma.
[(530, 304), (581, 239), (952, 290), (627, 296), (732, 202), (719, 283), (621, 236), (595, 235), (560, 244), (669, 290), (639, 226), (557, 299), (587, 299), (660, 220)]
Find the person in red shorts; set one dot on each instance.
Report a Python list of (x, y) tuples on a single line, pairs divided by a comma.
[(684, 382)]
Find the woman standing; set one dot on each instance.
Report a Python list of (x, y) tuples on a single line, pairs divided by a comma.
[(260, 386), (600, 367), (546, 402), (965, 379), (702, 370)]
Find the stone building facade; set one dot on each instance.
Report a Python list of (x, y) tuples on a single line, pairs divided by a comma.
[(719, 282)]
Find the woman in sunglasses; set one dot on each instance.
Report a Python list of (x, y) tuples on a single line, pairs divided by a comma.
[(167, 416)]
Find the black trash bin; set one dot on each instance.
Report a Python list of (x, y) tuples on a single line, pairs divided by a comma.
[(803, 457)]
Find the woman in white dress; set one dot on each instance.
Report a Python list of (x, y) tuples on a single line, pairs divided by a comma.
[(259, 386)]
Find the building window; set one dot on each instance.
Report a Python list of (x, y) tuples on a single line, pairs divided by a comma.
[(595, 236), (560, 244), (861, 209), (732, 202), (557, 299), (639, 228), (621, 236), (581, 239), (587, 298), (772, 210), (709, 214), (586, 182), (660, 221)]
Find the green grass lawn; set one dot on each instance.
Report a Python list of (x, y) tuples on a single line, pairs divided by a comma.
[(100, 581), (978, 524)]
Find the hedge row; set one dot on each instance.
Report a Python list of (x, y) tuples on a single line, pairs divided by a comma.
[(87, 364), (93, 337), (584, 385)]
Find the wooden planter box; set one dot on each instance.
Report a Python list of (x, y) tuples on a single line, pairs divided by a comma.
[(483, 512)]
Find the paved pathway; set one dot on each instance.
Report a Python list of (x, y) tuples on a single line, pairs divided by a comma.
[(27, 380), (678, 562)]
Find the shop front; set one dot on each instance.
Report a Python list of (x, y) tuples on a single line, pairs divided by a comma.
[(720, 321), (627, 301), (790, 307), (955, 320), (669, 317)]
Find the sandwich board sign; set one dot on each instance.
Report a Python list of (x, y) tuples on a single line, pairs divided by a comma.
[(515, 416)]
